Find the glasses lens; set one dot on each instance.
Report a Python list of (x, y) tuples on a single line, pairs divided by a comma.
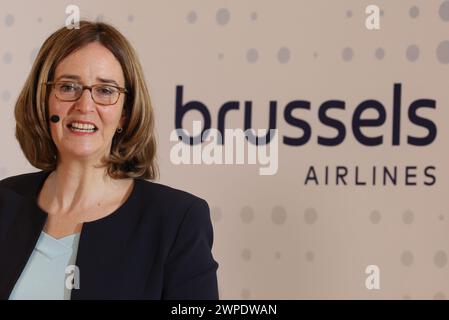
[(68, 91), (104, 94)]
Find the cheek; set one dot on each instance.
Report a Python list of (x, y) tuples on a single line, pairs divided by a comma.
[(110, 117), (56, 107)]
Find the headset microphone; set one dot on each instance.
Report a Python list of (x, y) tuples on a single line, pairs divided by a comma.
[(54, 118)]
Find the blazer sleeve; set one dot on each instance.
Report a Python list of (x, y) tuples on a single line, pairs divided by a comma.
[(190, 269)]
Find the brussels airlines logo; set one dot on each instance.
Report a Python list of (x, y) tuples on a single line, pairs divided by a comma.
[(359, 121), (261, 148)]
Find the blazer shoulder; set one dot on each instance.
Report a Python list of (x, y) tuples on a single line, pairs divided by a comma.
[(23, 184), (167, 195)]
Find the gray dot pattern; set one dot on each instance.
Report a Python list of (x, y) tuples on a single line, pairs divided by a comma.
[(412, 53), (252, 55), (444, 11), (440, 259), (407, 258), (414, 12), (246, 254), (192, 17), (9, 20), (380, 53), (375, 217), (6, 95), (443, 52), (223, 16), (408, 217), (247, 214), (310, 216), (310, 256), (284, 55), (347, 54), (7, 58), (278, 215)]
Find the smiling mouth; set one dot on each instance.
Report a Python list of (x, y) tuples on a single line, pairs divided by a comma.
[(82, 127)]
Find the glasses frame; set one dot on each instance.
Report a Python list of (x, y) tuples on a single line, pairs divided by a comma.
[(83, 87)]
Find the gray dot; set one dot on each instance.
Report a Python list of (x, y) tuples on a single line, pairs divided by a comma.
[(254, 16), (310, 256), (130, 18), (277, 255), (407, 258), (246, 254), (39, 19), (252, 55), (6, 95), (347, 54), (220, 56), (443, 52), (441, 217), (412, 53), (406, 297), (191, 17), (440, 259), (439, 296), (9, 20), (283, 55), (444, 11), (278, 215), (408, 217), (315, 55), (414, 12), (100, 18), (223, 16), (310, 216), (348, 13), (7, 58), (375, 217), (380, 53), (247, 214), (216, 214), (33, 54), (245, 294)]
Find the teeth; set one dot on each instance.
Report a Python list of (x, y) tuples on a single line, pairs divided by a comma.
[(82, 126), (83, 130)]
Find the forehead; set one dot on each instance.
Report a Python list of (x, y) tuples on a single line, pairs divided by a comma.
[(90, 62)]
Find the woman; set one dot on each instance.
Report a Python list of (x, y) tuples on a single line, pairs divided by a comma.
[(89, 226)]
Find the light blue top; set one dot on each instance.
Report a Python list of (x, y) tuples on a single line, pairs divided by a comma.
[(44, 276)]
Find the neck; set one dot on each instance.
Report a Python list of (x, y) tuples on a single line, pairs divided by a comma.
[(76, 185)]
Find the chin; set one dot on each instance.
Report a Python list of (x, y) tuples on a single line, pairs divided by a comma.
[(84, 152)]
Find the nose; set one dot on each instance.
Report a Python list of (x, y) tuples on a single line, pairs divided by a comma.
[(85, 103)]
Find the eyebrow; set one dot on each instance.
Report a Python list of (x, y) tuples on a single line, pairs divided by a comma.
[(78, 78)]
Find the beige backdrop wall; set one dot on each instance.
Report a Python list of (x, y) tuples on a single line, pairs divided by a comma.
[(276, 237)]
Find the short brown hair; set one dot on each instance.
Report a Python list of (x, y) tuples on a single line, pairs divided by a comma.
[(133, 152)]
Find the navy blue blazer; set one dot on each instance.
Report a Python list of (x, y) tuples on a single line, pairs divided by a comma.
[(157, 245)]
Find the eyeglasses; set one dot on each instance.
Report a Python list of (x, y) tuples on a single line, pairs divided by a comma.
[(102, 94)]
